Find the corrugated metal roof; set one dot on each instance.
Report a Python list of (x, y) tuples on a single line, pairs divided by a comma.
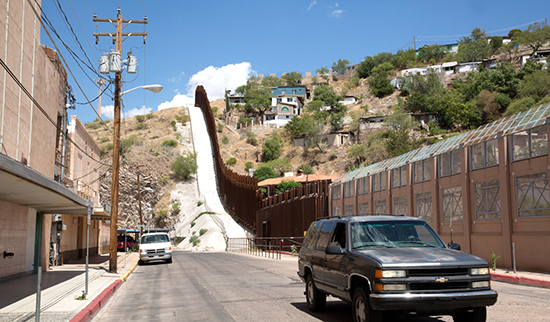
[(532, 118)]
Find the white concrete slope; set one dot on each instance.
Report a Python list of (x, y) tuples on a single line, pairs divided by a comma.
[(206, 175)]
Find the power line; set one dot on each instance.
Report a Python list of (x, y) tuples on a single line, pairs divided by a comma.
[(93, 52)]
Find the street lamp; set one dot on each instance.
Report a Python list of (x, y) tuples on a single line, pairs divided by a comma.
[(156, 88)]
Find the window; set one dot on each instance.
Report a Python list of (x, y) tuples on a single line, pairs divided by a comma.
[(279, 100), (449, 163), (484, 154), (380, 207), (324, 235), (452, 203), (290, 99), (364, 208), (422, 170), (487, 198), (530, 143), (336, 211), (284, 109), (400, 206), (336, 192), (362, 186), (424, 206), (379, 181), (348, 189), (294, 91), (284, 93), (399, 176), (349, 209), (533, 195)]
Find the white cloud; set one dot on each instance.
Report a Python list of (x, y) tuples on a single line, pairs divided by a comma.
[(215, 81), (176, 79), (337, 13), (314, 2), (108, 112)]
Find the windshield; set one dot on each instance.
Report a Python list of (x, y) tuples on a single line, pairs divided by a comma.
[(393, 234), (149, 239)]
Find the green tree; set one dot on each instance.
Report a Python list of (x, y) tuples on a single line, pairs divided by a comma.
[(251, 138), (299, 126), (231, 162), (280, 165), (535, 36), (184, 166), (435, 51), (369, 63), (264, 172), (272, 81), (286, 185), (248, 165), (398, 142), (404, 59), (458, 113), (379, 83), (324, 73), (475, 47), (487, 103), (400, 121), (340, 66), (292, 78), (326, 105), (535, 85), (271, 149)]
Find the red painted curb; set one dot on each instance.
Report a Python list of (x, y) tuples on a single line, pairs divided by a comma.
[(520, 280), (91, 309)]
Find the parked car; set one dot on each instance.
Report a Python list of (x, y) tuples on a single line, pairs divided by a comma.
[(125, 243), (155, 246), (392, 265)]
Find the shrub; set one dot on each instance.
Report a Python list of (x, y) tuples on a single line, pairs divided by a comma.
[(163, 179), (175, 208), (178, 118), (162, 213), (173, 123), (126, 144), (202, 231), (271, 149), (265, 172), (193, 224), (95, 124), (251, 138), (106, 148), (170, 143), (503, 100), (149, 116), (306, 168), (140, 118), (225, 140), (286, 185), (183, 167), (175, 128), (248, 166), (199, 203), (220, 127), (194, 240), (104, 139), (140, 126), (178, 136), (520, 105), (231, 162)]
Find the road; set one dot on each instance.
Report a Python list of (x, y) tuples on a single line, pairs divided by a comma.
[(217, 286)]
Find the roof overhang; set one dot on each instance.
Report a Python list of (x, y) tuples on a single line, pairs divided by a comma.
[(22, 185)]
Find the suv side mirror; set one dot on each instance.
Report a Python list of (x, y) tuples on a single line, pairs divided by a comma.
[(335, 250), (454, 246)]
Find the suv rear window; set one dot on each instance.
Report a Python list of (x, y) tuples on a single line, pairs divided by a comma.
[(393, 234)]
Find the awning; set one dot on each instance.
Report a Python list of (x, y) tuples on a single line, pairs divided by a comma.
[(22, 185)]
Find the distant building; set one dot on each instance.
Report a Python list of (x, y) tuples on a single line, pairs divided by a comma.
[(271, 184), (286, 102)]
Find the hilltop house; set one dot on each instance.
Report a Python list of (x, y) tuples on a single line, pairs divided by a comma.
[(286, 102)]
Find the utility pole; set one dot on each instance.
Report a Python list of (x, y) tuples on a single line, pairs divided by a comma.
[(414, 42), (100, 82), (116, 135), (140, 214)]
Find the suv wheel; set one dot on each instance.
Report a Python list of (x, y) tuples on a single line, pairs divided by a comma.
[(362, 311), (479, 314), (316, 300)]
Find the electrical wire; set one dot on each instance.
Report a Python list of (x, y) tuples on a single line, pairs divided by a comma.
[(89, 102), (90, 6), (82, 30)]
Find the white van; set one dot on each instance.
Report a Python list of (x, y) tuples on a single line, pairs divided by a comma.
[(155, 246)]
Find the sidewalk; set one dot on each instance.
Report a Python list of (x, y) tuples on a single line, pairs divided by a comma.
[(521, 277), (60, 286)]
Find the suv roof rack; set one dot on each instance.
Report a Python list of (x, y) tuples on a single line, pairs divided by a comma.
[(356, 215)]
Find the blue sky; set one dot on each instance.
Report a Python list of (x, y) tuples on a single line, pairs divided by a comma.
[(219, 44)]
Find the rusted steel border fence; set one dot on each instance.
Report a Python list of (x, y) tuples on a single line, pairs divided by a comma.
[(239, 194), (270, 247), (291, 212)]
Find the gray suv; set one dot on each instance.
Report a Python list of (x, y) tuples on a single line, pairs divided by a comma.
[(392, 265)]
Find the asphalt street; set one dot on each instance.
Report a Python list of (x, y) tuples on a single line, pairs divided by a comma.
[(219, 286)]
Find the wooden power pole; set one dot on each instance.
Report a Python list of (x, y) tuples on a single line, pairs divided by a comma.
[(116, 135)]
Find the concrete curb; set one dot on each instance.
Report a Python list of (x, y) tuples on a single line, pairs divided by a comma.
[(91, 309), (519, 280)]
